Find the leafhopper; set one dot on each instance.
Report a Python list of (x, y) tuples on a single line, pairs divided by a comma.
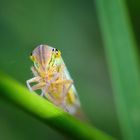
[(51, 76)]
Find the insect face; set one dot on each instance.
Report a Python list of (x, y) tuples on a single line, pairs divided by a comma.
[(45, 57)]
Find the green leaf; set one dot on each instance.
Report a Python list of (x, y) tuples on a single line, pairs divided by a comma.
[(123, 64), (47, 112)]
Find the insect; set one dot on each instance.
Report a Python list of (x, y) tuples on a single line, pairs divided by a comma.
[(53, 79)]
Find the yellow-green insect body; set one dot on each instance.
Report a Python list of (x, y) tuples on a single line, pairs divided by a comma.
[(53, 79)]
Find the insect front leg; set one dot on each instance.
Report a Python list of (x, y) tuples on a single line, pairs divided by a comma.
[(38, 86), (49, 83), (48, 95), (32, 80)]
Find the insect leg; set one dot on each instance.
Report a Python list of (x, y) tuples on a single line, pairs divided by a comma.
[(49, 83), (38, 86), (35, 79), (50, 97), (64, 82)]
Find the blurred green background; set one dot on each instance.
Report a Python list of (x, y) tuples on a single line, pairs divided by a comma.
[(72, 27)]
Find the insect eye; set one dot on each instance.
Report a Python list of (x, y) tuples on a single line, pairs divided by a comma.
[(57, 52), (31, 54), (53, 49)]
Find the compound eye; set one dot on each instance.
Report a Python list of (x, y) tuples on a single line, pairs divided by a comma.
[(56, 51), (53, 49)]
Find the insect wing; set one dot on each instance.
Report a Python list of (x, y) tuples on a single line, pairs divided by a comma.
[(72, 108)]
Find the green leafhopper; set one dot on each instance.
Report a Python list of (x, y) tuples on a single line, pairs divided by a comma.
[(53, 79)]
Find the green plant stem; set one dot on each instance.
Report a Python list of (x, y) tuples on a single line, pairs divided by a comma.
[(122, 57), (47, 112)]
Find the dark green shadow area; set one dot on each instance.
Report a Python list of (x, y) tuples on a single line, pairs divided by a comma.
[(46, 112)]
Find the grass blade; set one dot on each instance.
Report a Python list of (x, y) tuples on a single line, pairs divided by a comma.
[(123, 63), (47, 112)]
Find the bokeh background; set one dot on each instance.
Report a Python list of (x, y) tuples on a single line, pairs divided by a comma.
[(72, 27)]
